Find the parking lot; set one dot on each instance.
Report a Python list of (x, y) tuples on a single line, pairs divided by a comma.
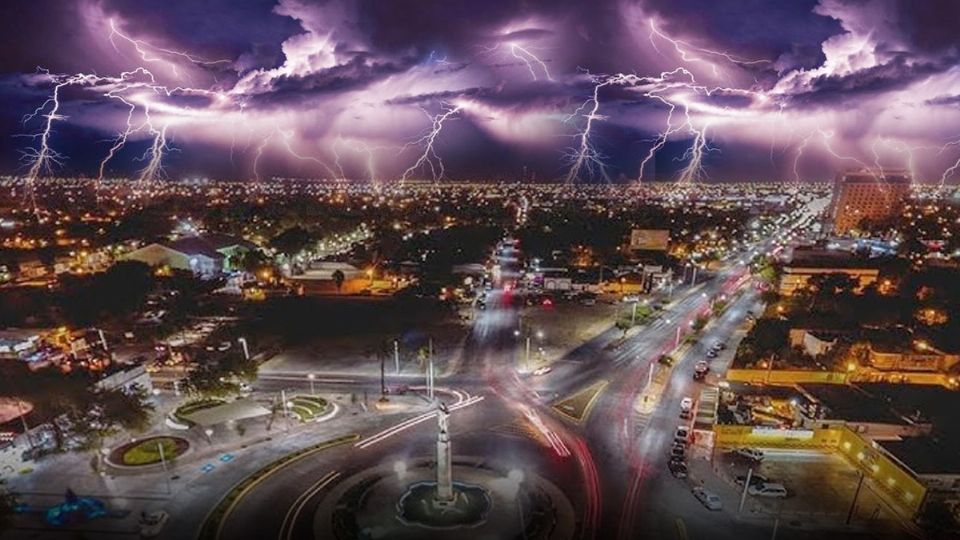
[(820, 488)]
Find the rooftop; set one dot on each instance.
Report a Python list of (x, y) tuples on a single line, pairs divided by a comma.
[(852, 404), (925, 455)]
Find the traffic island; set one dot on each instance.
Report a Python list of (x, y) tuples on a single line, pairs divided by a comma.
[(399, 502), (146, 452)]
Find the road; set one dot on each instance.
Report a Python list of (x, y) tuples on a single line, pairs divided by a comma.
[(612, 464)]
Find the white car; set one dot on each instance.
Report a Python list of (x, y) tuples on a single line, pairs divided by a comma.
[(768, 489), (631, 299), (686, 404), (751, 454), (542, 370), (708, 499), (151, 524)]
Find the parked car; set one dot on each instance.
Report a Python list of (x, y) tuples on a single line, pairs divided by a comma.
[(711, 353), (631, 298), (677, 451), (682, 434), (542, 370), (686, 404), (151, 524), (749, 454), (708, 499), (768, 489), (677, 468), (754, 479)]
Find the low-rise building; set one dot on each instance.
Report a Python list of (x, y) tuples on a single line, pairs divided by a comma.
[(808, 263)]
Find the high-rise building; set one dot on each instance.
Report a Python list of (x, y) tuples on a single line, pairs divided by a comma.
[(867, 194)]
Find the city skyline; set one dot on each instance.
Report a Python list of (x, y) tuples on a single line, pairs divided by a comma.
[(555, 91)]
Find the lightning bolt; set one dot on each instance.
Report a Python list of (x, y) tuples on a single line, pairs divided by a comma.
[(530, 59), (153, 54), (286, 144), (670, 88), (683, 50), (429, 158), (953, 168)]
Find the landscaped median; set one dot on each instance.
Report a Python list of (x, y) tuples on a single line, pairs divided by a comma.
[(214, 522), (307, 408)]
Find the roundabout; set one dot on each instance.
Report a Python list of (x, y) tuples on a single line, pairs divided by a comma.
[(397, 502)]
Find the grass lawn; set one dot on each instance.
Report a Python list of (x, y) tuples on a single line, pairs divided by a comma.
[(147, 451)]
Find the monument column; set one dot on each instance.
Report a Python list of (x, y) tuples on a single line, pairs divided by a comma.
[(444, 464)]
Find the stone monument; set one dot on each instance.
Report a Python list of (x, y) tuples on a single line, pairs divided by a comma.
[(445, 493)]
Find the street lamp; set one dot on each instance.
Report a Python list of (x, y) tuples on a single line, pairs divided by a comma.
[(311, 377), (246, 351)]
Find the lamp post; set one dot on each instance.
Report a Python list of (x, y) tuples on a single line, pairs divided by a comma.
[(396, 355), (311, 377), (243, 344)]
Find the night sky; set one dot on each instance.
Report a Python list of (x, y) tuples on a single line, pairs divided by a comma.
[(585, 91)]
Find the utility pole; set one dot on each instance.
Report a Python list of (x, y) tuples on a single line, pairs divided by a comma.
[(526, 361), (430, 366), (383, 378), (746, 485)]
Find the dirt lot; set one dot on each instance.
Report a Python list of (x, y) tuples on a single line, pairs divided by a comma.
[(567, 324)]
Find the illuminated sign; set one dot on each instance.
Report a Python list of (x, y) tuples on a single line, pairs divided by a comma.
[(764, 431)]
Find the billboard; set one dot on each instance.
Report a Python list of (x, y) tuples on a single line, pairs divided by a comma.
[(653, 239)]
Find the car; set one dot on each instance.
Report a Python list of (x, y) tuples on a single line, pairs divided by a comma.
[(768, 489), (720, 345), (711, 353), (708, 499), (754, 479), (631, 299), (701, 367), (686, 415), (686, 404), (151, 524), (682, 434), (677, 468), (677, 451), (749, 454), (542, 370), (245, 388)]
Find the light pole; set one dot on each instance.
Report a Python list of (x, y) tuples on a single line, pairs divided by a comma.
[(746, 485), (856, 495), (396, 355), (311, 377), (243, 344), (163, 462)]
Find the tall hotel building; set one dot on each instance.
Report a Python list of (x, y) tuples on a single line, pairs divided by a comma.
[(867, 194)]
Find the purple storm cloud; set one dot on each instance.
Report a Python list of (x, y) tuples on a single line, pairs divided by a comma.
[(685, 90)]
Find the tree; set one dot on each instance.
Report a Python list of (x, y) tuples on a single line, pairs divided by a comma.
[(109, 413), (292, 241), (338, 278)]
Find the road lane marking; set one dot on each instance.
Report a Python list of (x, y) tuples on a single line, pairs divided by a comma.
[(681, 529), (293, 513)]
